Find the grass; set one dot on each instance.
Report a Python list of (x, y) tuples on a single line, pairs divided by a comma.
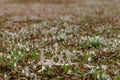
[(78, 43), (93, 44)]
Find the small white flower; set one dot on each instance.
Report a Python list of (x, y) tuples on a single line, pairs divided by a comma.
[(98, 76), (20, 45), (106, 76), (104, 67), (92, 70), (97, 67), (119, 36), (89, 59), (27, 49), (27, 73), (119, 42), (66, 18), (29, 62), (105, 50), (1, 54), (26, 68), (34, 66), (43, 68), (15, 64), (5, 75), (65, 24), (92, 52), (69, 72), (116, 72), (55, 45), (32, 75), (109, 79), (103, 75), (115, 40), (15, 58), (8, 56), (19, 52), (74, 51), (23, 71)]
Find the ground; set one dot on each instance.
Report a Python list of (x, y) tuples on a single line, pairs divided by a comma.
[(60, 40)]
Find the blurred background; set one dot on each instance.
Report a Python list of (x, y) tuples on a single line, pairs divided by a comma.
[(40, 1)]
